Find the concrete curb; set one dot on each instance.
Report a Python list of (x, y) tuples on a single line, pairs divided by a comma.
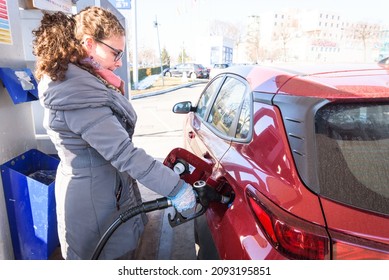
[(154, 93)]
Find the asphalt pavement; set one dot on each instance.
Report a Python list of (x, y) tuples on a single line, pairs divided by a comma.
[(158, 131)]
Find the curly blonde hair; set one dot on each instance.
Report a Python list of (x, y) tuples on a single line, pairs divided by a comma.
[(57, 41)]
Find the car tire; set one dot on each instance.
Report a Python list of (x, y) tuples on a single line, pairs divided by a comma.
[(203, 238)]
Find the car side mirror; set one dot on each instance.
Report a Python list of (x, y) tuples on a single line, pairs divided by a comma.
[(183, 107)]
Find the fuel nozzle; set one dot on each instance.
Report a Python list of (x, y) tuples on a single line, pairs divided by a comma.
[(205, 195)]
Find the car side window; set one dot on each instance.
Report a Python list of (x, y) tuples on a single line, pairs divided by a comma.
[(206, 97), (243, 127), (226, 105)]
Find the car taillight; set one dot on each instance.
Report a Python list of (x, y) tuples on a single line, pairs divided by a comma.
[(347, 247), (291, 236)]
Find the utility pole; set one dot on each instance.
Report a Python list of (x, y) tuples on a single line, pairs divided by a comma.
[(159, 49), (182, 53), (135, 45)]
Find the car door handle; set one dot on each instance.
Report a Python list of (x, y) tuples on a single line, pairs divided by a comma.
[(191, 134)]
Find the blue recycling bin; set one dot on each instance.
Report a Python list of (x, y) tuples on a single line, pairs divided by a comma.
[(29, 182), (20, 84)]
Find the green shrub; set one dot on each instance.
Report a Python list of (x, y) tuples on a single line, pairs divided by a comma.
[(144, 72)]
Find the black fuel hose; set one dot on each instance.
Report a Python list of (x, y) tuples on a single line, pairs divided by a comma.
[(157, 204), (205, 195)]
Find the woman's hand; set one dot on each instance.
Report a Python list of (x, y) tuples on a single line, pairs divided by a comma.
[(185, 199)]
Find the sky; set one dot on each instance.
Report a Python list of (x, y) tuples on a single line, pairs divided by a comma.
[(179, 21)]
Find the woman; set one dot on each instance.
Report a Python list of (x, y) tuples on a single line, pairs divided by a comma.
[(91, 125)]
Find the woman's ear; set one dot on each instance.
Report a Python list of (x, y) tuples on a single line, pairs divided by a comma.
[(88, 43)]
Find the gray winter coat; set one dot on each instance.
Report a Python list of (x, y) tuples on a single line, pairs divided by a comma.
[(91, 127)]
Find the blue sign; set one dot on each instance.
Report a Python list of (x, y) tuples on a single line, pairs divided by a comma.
[(121, 4)]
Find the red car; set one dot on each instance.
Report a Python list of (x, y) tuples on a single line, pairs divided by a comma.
[(305, 152)]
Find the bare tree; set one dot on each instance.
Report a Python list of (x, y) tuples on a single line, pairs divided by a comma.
[(283, 35), (253, 39), (226, 29), (285, 30), (147, 56), (365, 32)]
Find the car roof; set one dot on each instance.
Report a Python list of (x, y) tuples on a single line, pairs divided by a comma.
[(331, 81)]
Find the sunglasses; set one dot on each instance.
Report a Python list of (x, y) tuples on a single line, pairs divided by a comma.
[(118, 53)]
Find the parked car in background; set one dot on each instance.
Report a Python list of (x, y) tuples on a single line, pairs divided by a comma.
[(217, 68), (384, 61), (305, 154), (192, 70)]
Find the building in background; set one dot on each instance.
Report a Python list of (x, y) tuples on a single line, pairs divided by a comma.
[(297, 36), (214, 49), (311, 36)]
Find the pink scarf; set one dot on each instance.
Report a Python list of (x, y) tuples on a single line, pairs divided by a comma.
[(106, 74)]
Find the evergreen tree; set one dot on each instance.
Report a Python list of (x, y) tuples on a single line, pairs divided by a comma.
[(165, 57)]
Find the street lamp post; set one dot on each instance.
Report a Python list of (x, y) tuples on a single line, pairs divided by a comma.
[(182, 53), (135, 44), (159, 49)]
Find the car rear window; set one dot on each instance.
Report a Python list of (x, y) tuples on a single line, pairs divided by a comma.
[(353, 154)]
